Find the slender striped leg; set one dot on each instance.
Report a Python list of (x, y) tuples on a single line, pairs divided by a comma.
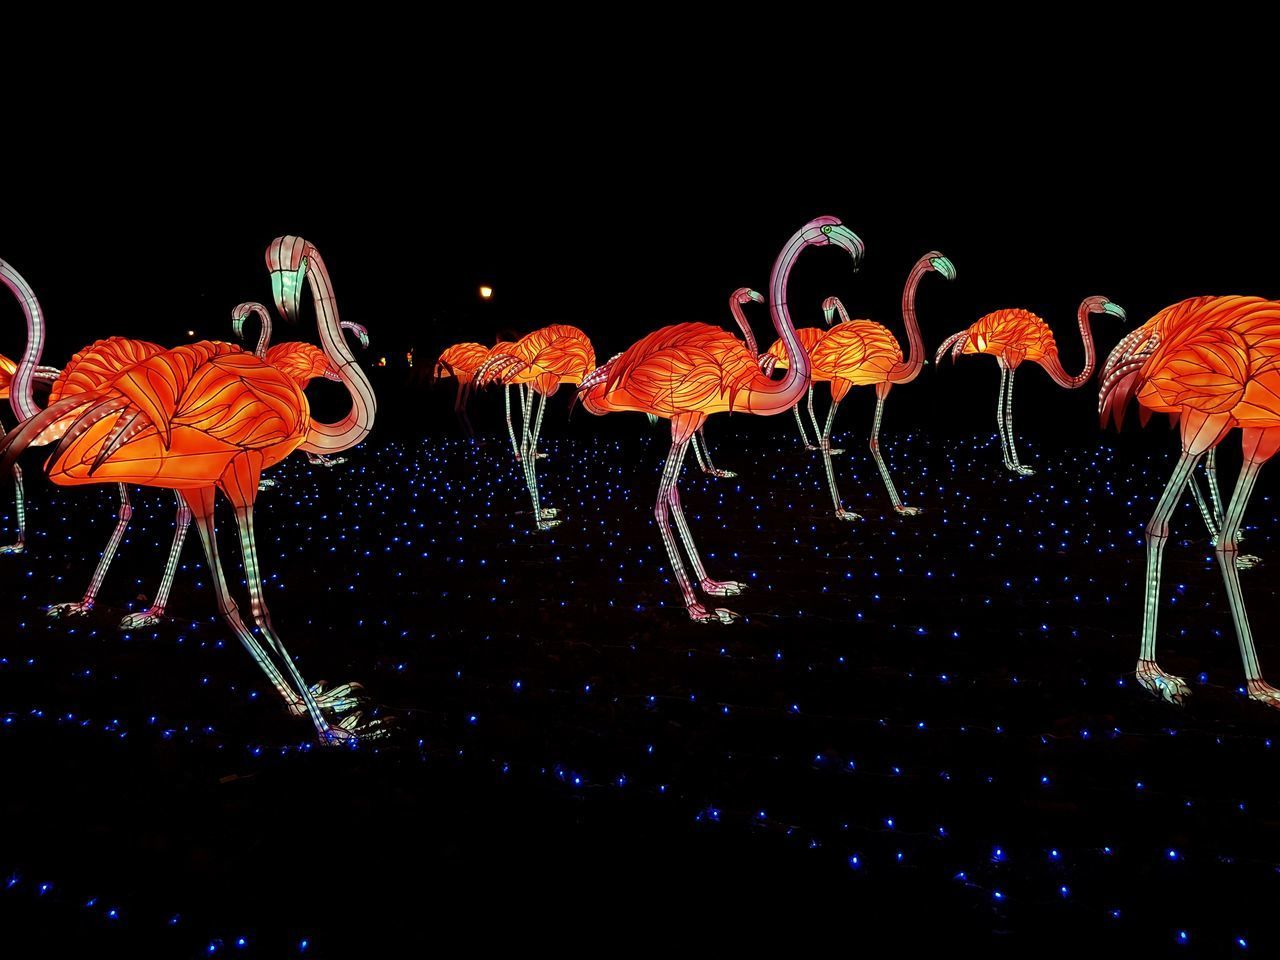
[(1008, 425), (1258, 688), (200, 503), (460, 410), (20, 509), (315, 698), (1000, 425), (713, 588), (841, 512), (1215, 492), (104, 564), (155, 613), (800, 423), (1148, 672), (1210, 523), (661, 512), (823, 441), (545, 516), (875, 453), (511, 431), (703, 452)]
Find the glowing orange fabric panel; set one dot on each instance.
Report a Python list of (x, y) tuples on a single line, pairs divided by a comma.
[(461, 360), (551, 356), (859, 352), (302, 362), (7, 369), (1013, 332), (190, 411), (809, 337)]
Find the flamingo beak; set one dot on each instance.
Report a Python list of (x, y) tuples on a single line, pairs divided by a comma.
[(755, 296), (1115, 310), (286, 287), (237, 324), (849, 241), (944, 266)]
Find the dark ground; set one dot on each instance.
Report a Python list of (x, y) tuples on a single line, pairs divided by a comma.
[(575, 765)]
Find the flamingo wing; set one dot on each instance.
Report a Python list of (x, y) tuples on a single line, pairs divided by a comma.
[(302, 362)]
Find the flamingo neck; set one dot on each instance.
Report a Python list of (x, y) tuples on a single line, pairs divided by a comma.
[(355, 426), (738, 315), (20, 393), (1053, 365), (264, 338), (778, 396), (909, 368)]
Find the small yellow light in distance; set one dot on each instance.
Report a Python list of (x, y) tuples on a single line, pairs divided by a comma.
[(191, 333), (486, 292), (382, 361)]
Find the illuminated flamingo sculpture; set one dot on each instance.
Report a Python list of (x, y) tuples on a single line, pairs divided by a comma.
[(686, 372), (542, 361), (1014, 335), (461, 361), (857, 353), (206, 417), (1213, 364)]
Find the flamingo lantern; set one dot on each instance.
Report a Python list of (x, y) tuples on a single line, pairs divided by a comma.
[(461, 361), (1212, 364), (686, 372), (541, 361), (775, 358), (208, 416), (857, 353), (1014, 335)]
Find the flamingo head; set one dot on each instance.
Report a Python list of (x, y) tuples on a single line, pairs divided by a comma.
[(1103, 305), (829, 231), (941, 265), (239, 315), (287, 260), (829, 308), (745, 295)]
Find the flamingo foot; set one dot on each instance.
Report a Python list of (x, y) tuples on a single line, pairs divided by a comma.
[(550, 512), (719, 615), (540, 456), (810, 446), (330, 461), (266, 483), (544, 525), (843, 514), (144, 618), (59, 611), (722, 588), (1247, 561), (908, 511), (1263, 692), (338, 699), (1020, 469), (14, 548), (1163, 685), (352, 729), (721, 474), (833, 451)]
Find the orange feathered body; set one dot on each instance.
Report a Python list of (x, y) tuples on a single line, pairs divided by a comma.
[(198, 407), (461, 360), (90, 368), (552, 356), (301, 362), (855, 354), (1013, 334), (684, 368), (1215, 355)]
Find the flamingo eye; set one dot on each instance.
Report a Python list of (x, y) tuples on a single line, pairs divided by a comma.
[(827, 228)]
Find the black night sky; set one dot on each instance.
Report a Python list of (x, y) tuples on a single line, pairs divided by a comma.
[(925, 730)]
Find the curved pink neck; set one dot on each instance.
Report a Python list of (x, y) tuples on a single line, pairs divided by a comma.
[(1053, 365), (355, 426), (909, 368), (735, 307), (768, 397), (20, 394), (264, 338)]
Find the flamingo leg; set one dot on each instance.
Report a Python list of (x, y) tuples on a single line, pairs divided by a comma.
[(337, 700), (841, 512), (1163, 685), (697, 452), (155, 612), (813, 419), (1209, 522), (661, 513), (702, 451), (104, 564), (20, 509), (511, 432), (882, 391), (1008, 425), (1227, 552), (712, 588), (800, 423), (1004, 438), (545, 518), (466, 416), (200, 503), (460, 409), (1211, 476)]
